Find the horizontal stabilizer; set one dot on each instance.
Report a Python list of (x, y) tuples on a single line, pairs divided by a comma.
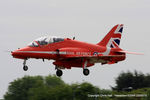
[(130, 52)]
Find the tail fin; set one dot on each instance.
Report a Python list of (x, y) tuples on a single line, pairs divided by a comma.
[(112, 39)]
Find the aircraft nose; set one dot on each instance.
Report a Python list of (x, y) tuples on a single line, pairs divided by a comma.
[(14, 53), (17, 54)]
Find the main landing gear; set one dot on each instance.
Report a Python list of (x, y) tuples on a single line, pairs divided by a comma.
[(59, 72), (85, 70), (25, 67)]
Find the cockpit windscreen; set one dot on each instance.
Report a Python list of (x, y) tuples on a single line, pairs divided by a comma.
[(45, 41)]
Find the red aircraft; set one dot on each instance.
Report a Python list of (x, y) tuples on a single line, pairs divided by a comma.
[(68, 53)]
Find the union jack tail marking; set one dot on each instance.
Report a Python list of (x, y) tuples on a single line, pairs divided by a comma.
[(112, 39)]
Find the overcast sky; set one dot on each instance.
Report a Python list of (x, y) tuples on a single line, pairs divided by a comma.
[(22, 21)]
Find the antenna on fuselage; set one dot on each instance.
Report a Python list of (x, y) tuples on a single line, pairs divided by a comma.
[(73, 38)]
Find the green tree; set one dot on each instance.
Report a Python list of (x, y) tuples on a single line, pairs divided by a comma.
[(124, 80), (138, 80), (18, 88), (148, 95), (50, 93), (48, 88), (147, 80), (52, 81), (22, 88), (134, 80), (81, 91)]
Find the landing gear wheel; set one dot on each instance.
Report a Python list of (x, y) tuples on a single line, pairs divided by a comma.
[(86, 72), (25, 68), (59, 72)]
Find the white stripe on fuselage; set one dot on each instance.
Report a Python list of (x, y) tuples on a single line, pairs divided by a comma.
[(45, 52), (63, 53)]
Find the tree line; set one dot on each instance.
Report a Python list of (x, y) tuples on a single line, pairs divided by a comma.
[(132, 80), (52, 87)]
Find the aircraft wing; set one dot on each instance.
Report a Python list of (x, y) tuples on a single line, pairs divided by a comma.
[(91, 58), (95, 59), (72, 56)]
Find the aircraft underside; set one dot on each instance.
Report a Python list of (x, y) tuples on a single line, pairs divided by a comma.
[(78, 63)]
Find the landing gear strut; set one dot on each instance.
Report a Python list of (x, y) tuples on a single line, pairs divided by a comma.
[(25, 67), (58, 72)]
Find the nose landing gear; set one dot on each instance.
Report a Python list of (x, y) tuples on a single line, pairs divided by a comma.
[(25, 67), (86, 72)]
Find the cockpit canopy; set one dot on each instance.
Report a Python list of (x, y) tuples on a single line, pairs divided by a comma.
[(45, 40)]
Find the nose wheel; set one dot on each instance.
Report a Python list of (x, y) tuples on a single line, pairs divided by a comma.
[(86, 72), (25, 67)]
